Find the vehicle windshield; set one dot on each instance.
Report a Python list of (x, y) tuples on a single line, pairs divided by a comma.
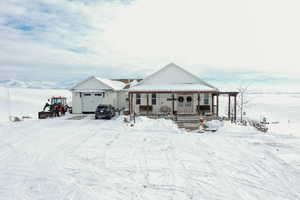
[(57, 101), (102, 107)]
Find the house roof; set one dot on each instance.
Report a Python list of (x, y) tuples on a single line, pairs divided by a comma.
[(131, 84), (172, 88), (116, 85), (172, 78), (106, 83)]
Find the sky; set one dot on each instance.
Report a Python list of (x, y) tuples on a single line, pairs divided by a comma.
[(250, 40)]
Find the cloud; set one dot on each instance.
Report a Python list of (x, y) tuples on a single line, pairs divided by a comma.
[(239, 39)]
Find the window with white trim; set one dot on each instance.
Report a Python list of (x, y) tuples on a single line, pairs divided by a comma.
[(153, 99), (206, 98), (138, 99)]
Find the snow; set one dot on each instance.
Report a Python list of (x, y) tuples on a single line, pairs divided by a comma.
[(116, 85), (214, 124), (13, 83), (26, 102), (109, 159), (143, 123), (283, 108)]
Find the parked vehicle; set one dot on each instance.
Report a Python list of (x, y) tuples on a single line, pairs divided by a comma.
[(105, 112)]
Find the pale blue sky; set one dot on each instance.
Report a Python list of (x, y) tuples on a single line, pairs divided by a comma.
[(218, 40)]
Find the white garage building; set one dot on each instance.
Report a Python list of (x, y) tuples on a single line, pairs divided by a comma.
[(88, 94)]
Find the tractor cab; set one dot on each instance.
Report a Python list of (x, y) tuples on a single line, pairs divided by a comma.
[(58, 101)]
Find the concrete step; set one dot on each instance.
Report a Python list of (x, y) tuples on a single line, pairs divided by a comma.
[(188, 117), (187, 125)]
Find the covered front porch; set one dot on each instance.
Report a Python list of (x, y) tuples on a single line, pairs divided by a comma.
[(180, 105)]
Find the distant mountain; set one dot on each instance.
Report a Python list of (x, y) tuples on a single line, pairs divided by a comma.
[(254, 89), (13, 83)]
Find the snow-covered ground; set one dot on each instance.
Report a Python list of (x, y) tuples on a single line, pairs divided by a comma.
[(26, 102), (101, 159), (283, 109), (108, 159)]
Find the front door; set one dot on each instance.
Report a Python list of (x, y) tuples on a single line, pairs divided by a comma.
[(185, 104)]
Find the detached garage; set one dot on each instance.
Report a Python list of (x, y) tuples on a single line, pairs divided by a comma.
[(88, 94)]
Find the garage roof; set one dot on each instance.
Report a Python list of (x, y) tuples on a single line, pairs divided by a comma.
[(96, 83)]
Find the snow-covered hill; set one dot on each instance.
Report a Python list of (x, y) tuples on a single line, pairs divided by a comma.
[(13, 83)]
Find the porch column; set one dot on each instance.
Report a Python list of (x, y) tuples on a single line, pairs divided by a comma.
[(129, 103), (217, 105), (229, 98), (198, 108), (213, 104), (147, 104), (173, 104), (234, 108)]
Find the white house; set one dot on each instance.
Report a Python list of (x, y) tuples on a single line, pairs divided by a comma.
[(174, 91), (89, 93)]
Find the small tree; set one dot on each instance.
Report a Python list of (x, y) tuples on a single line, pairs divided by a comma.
[(243, 98)]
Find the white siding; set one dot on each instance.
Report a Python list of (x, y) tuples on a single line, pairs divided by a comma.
[(76, 102), (161, 100), (92, 86), (111, 97), (122, 97)]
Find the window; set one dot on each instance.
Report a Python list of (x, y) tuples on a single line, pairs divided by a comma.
[(57, 101), (98, 94), (87, 94), (206, 98), (102, 107), (153, 99), (138, 99)]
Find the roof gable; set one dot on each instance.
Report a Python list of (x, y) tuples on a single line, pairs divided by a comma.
[(116, 85), (95, 83), (173, 74)]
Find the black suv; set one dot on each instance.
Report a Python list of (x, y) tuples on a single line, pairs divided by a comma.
[(105, 112)]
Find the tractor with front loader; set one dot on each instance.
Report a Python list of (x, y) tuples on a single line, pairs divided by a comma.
[(57, 106)]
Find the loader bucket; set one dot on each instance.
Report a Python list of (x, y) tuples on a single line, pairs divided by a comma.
[(44, 115)]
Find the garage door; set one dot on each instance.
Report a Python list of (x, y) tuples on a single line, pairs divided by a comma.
[(90, 101)]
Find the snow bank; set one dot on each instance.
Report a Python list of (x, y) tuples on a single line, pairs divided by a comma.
[(155, 125), (214, 124)]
